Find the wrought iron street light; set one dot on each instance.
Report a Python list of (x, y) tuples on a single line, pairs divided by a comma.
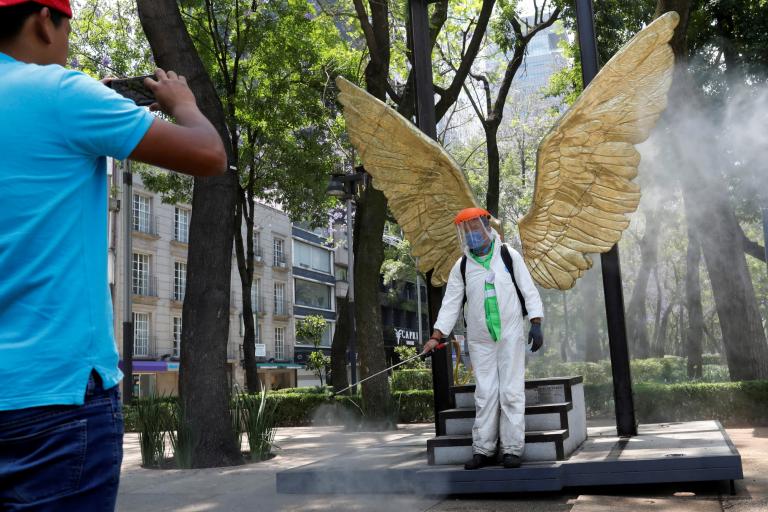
[(344, 186)]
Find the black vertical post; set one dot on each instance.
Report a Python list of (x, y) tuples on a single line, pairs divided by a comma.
[(614, 298), (765, 233), (127, 283), (127, 362), (425, 117)]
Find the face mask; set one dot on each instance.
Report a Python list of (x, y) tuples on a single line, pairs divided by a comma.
[(476, 239)]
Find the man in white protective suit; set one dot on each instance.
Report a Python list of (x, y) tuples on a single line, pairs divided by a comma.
[(496, 302)]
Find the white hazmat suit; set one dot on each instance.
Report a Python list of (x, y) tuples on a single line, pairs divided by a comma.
[(499, 367)]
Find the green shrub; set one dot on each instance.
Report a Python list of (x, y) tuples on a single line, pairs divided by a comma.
[(180, 436), (129, 418), (153, 416), (405, 380), (295, 409), (416, 406), (405, 352), (598, 399), (666, 370), (314, 390), (733, 403), (258, 421)]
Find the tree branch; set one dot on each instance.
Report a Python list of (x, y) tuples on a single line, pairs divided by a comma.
[(751, 248), (454, 89), (370, 38), (521, 44)]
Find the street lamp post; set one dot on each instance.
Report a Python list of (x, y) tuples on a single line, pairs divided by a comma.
[(343, 186), (127, 204)]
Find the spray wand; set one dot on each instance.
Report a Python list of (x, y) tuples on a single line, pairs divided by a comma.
[(428, 354)]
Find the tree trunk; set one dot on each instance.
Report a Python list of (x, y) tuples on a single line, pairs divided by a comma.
[(339, 346), (370, 216), (492, 146), (743, 336), (203, 387), (637, 325), (660, 347), (369, 255), (694, 334), (245, 271)]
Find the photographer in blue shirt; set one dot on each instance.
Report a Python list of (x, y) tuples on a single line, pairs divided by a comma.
[(60, 419)]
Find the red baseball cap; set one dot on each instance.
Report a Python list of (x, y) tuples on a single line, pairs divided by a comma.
[(62, 6)]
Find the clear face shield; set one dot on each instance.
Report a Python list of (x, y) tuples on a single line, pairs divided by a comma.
[(475, 234)]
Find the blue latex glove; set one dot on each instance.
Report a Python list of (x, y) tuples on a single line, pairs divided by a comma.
[(535, 337)]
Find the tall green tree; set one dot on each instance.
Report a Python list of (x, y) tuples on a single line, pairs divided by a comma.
[(272, 65), (206, 306)]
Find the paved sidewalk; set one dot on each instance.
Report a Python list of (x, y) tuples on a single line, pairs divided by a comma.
[(252, 487)]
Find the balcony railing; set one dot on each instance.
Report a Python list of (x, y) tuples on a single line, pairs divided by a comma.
[(258, 255), (280, 261), (258, 304), (147, 225), (146, 287), (282, 308), (144, 348)]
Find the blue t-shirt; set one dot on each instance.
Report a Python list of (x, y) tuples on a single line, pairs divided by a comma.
[(56, 128)]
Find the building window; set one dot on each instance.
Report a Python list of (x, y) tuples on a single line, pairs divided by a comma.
[(142, 213), (176, 336), (278, 245), (141, 334), (181, 225), (312, 257), (257, 246), (313, 295), (257, 305), (281, 305), (341, 273), (141, 280), (279, 342), (179, 280)]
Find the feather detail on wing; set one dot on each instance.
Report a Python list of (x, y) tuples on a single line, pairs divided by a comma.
[(423, 184), (583, 191)]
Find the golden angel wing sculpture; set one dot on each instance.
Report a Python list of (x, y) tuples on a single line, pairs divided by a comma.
[(585, 165), (423, 184)]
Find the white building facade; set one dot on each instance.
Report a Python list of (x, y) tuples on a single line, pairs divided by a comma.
[(157, 278)]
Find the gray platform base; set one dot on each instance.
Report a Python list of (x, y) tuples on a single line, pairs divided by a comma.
[(661, 453)]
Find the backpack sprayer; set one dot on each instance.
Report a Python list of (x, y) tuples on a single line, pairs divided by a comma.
[(438, 347)]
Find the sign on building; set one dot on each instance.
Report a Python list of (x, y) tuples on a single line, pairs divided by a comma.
[(406, 336)]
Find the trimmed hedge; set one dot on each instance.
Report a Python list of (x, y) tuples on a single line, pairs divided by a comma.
[(733, 403), (405, 380), (665, 370)]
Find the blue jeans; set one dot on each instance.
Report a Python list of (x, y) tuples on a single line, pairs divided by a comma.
[(63, 457)]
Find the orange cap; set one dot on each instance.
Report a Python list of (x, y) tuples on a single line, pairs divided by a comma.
[(469, 214)]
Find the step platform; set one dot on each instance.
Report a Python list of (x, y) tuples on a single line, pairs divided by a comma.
[(661, 453), (555, 422)]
